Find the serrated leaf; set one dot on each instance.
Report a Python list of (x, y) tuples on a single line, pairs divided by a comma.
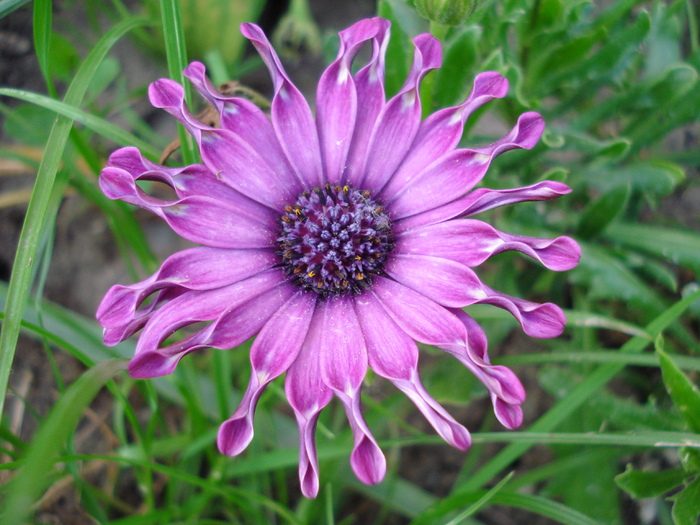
[(683, 392), (608, 278), (675, 246), (600, 213), (654, 177), (649, 484), (657, 271), (686, 509)]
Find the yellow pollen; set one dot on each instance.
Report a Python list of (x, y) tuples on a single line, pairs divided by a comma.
[(311, 273)]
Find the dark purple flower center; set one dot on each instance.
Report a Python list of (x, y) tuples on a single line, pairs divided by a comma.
[(334, 239)]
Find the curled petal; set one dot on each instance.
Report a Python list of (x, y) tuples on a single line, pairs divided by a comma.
[(231, 158), (274, 350), (120, 329), (369, 86), (126, 166), (208, 212), (509, 415), (367, 460), (394, 355), (343, 364), (538, 320), (336, 100), (241, 116), (291, 115), (484, 199), (238, 312), (453, 331), (308, 458), (505, 389), (452, 175), (440, 132), (198, 268), (308, 395), (398, 122), (471, 242)]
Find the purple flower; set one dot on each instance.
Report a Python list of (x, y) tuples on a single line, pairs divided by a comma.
[(340, 241)]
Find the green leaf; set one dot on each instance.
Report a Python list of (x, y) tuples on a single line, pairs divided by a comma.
[(458, 66), (606, 277), (686, 509), (674, 245), (649, 484), (29, 124), (32, 479), (683, 392), (656, 177), (598, 214)]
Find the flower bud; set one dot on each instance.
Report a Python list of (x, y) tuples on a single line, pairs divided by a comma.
[(446, 12)]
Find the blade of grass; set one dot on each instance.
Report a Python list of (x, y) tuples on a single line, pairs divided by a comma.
[(20, 281), (43, 17), (483, 500), (96, 124), (31, 480), (683, 362), (175, 50), (7, 6)]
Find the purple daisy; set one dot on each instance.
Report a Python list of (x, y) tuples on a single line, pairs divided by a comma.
[(340, 241)]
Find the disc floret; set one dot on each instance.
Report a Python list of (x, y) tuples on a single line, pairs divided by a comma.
[(334, 239)]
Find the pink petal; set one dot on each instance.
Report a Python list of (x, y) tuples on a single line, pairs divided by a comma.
[(308, 395), (245, 119), (538, 320), (238, 312), (481, 200), (440, 132), (226, 154), (429, 323), (343, 354), (369, 86), (198, 268), (471, 242), (223, 218), (398, 121), (454, 174), (336, 100), (291, 115), (445, 282), (367, 459), (273, 351), (394, 355)]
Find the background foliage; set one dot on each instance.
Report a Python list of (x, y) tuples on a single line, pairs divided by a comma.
[(612, 432)]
